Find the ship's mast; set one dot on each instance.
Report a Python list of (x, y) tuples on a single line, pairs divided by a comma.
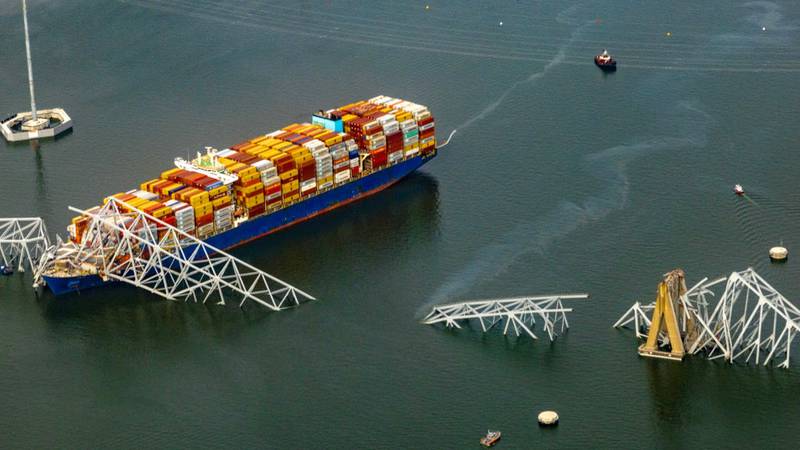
[(28, 52)]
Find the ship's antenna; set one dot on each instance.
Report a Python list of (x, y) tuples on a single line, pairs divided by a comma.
[(28, 53)]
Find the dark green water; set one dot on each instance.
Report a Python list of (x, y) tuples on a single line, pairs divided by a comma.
[(559, 179)]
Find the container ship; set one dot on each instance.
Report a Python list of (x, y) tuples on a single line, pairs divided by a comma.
[(231, 196)]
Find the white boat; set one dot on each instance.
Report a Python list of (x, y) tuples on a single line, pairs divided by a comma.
[(738, 189)]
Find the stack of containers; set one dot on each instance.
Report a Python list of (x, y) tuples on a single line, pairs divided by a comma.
[(394, 138), (184, 215), (370, 138), (322, 161), (410, 137), (202, 207), (306, 168), (341, 163), (352, 153)]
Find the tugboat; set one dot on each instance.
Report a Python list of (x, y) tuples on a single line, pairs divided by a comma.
[(5, 270), (605, 62), (491, 438), (738, 189)]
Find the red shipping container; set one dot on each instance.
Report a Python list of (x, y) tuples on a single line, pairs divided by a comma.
[(394, 142), (425, 121), (204, 220), (426, 134), (379, 157), (256, 210), (354, 171)]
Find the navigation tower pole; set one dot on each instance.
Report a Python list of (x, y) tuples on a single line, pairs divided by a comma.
[(28, 53)]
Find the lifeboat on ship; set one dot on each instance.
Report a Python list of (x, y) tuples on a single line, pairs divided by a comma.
[(605, 62)]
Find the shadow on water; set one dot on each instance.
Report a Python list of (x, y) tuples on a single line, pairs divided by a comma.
[(122, 309), (406, 211)]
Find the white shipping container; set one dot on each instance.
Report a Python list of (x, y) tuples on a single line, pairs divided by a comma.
[(341, 177), (411, 151), (326, 185), (314, 145), (225, 153), (351, 145), (146, 195), (269, 173), (274, 195), (271, 181), (274, 133), (354, 162)]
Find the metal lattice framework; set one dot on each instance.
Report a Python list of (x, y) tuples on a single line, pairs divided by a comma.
[(751, 321), (133, 247), (517, 313), (23, 241)]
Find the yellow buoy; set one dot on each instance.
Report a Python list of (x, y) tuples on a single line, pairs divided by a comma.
[(548, 418), (778, 254)]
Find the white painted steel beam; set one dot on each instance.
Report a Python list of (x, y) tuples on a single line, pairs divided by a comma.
[(752, 321), (518, 313), (135, 248), (23, 241)]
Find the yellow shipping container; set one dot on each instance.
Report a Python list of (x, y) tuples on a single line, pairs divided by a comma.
[(199, 198), (165, 175), (254, 201), (292, 199), (250, 189), (258, 139), (324, 180), (217, 191), (203, 209), (222, 201), (248, 177), (146, 185), (159, 213), (272, 142), (332, 141), (288, 175), (283, 146)]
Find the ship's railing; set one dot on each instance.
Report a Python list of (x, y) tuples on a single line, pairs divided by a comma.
[(518, 313)]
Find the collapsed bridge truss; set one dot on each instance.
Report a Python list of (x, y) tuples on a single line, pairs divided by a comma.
[(752, 321), (23, 241), (520, 314), (130, 246)]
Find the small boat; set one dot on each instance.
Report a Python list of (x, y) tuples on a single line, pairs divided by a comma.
[(5, 270), (605, 62), (491, 438), (738, 189)]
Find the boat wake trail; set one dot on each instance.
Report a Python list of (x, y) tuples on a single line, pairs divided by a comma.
[(609, 165), (559, 58)]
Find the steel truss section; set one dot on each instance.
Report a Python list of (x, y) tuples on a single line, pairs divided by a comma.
[(135, 248), (751, 321), (517, 313), (23, 241)]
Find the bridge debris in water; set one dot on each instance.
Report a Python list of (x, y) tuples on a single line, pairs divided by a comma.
[(130, 246), (751, 321), (518, 313), (23, 241)]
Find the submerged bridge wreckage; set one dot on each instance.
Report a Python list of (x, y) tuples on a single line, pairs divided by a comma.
[(132, 247), (520, 314), (751, 321), (23, 242)]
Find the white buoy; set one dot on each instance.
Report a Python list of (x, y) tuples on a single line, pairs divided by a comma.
[(501, 23), (548, 418), (763, 28), (778, 254)]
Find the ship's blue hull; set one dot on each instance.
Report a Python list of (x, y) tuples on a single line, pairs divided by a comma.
[(263, 225)]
